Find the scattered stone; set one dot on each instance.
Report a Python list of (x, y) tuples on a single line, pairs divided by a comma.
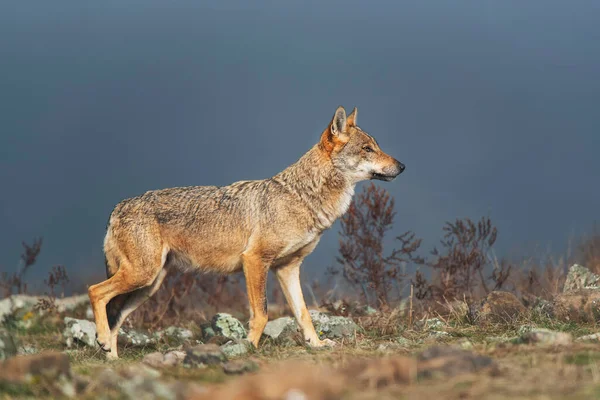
[(27, 303), (160, 360), (226, 325), (524, 329), (207, 331), (465, 344), (332, 327), (581, 305), (139, 381), (238, 367), (79, 331), (176, 334), (543, 336), (13, 303), (203, 355), (389, 347), (370, 310), (380, 372), (51, 368), (438, 334), (450, 361), (235, 349), (89, 313), (579, 277), (542, 308), (431, 324), (8, 345), (595, 337), (70, 303), (345, 308), (132, 337), (291, 380), (282, 329), (24, 318), (27, 350), (497, 307)]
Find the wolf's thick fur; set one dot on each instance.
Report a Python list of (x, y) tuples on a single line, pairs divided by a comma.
[(252, 226)]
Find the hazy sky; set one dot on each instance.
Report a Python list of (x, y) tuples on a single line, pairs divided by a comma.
[(492, 105)]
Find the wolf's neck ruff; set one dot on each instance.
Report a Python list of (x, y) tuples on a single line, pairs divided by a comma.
[(321, 188)]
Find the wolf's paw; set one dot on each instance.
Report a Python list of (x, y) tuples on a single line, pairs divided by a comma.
[(103, 343)]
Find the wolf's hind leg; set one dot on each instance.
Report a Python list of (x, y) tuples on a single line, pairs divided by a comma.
[(128, 278), (132, 302)]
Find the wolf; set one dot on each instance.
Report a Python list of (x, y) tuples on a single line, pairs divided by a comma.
[(252, 226)]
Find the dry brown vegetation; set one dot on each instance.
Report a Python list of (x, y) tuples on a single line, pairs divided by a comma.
[(423, 310), (464, 268)]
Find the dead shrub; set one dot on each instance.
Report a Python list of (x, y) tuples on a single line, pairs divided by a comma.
[(15, 283), (190, 297), (459, 269), (362, 260)]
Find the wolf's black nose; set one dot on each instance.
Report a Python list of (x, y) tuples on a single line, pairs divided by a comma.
[(401, 166)]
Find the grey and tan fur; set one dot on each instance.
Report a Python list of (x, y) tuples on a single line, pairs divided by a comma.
[(254, 226)]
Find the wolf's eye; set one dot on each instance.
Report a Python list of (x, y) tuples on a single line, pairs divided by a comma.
[(368, 149)]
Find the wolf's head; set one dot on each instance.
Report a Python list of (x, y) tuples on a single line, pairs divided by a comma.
[(354, 152)]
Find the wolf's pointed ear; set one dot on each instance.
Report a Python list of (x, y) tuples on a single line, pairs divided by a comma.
[(338, 124), (351, 120)]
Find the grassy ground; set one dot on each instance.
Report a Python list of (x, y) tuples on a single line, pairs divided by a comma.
[(519, 371)]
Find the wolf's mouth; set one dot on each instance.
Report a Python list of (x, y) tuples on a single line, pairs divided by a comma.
[(382, 177)]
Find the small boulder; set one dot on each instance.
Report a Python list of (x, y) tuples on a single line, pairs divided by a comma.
[(13, 303), (226, 325), (593, 338), (202, 355), (238, 367), (27, 350), (332, 327), (542, 308), (66, 304), (175, 334), (498, 307), (8, 345), (450, 361), (541, 336), (579, 277), (79, 331), (160, 360), (582, 305), (140, 381), (235, 349), (282, 329), (24, 318), (51, 368), (431, 324), (207, 331), (132, 337)]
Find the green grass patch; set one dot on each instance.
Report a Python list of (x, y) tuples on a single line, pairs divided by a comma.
[(583, 358)]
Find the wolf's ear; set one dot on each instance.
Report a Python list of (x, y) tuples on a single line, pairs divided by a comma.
[(338, 124), (351, 120)]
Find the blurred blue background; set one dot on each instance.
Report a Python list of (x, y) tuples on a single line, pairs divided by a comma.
[(492, 106)]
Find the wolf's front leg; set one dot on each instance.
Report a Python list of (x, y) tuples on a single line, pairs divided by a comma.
[(289, 278), (255, 271)]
